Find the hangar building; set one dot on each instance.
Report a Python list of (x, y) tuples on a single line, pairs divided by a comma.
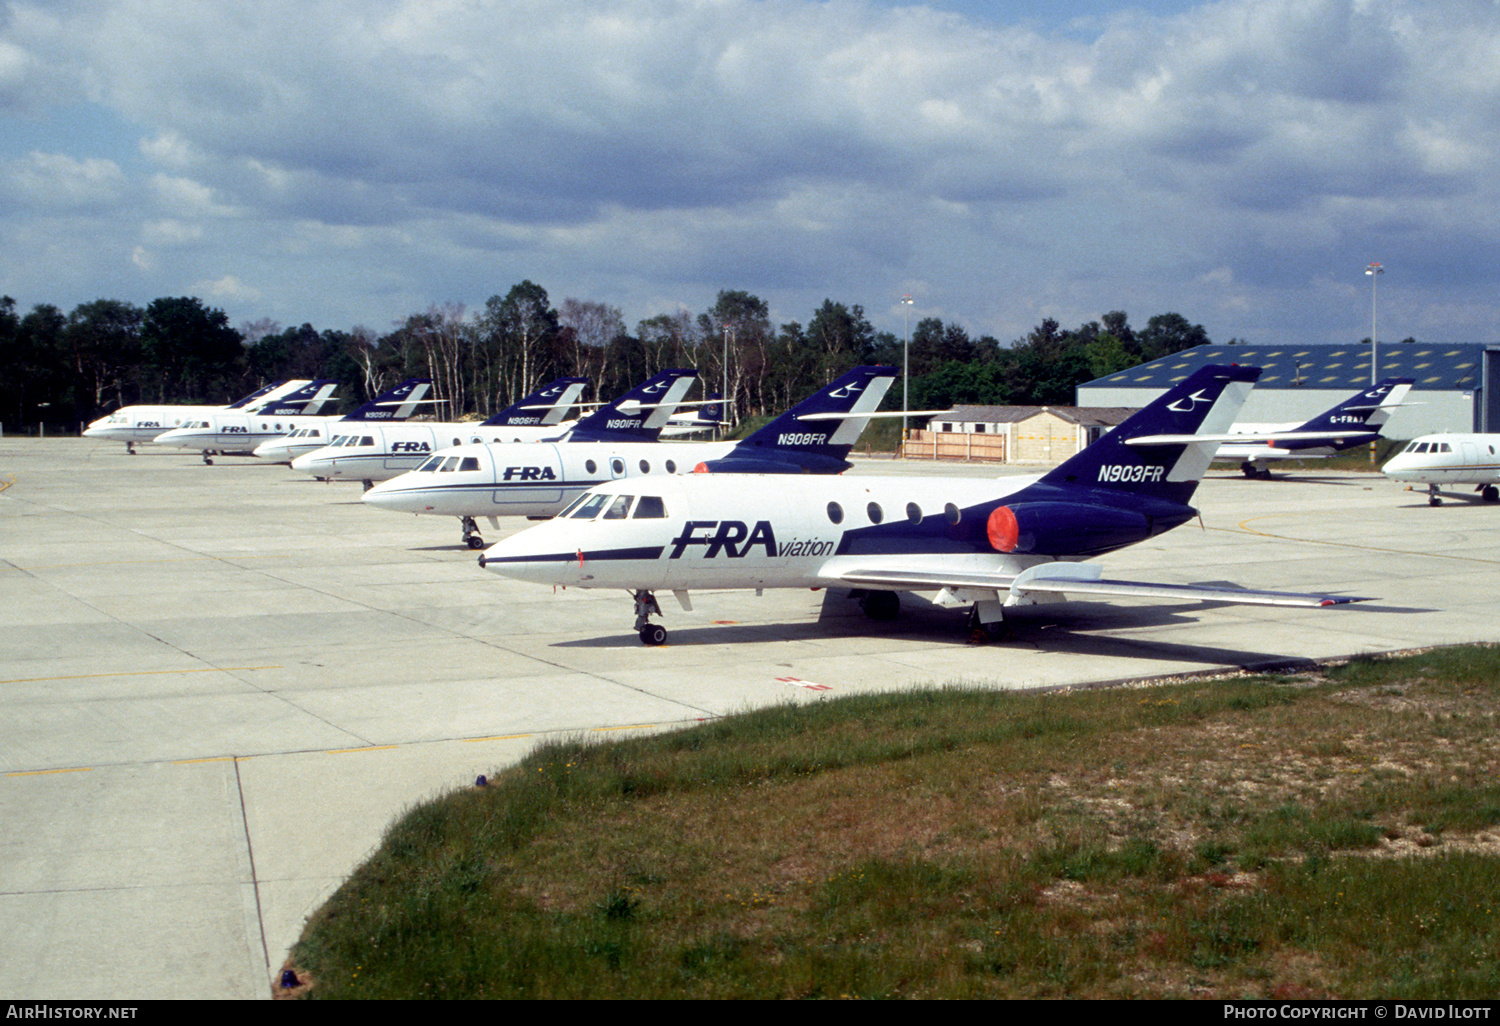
[(1457, 385)]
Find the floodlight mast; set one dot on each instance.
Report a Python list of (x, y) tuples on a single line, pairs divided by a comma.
[(906, 373)]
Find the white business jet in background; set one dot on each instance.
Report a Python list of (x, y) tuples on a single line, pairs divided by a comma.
[(1439, 460), (140, 424), (394, 404), (1355, 421), (382, 453), (538, 479)]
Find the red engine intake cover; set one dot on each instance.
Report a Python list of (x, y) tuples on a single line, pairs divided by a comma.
[(1003, 530)]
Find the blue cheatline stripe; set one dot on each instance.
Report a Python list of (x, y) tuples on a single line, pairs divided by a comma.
[(640, 552)]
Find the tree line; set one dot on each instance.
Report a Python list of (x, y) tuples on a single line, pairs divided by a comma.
[(66, 369)]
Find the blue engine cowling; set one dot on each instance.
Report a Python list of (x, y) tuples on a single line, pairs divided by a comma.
[(1065, 528)]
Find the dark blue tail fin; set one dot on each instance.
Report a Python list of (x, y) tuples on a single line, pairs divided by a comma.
[(1369, 409), (544, 407), (815, 436), (250, 401), (398, 403), (711, 415), (306, 401), (638, 415), (1155, 453)]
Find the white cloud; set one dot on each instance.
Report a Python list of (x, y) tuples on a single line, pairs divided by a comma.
[(54, 182), (1227, 160)]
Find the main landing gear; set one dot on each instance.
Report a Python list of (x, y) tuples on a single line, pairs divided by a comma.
[(208, 455), (1251, 471), (980, 631), (645, 606), (1489, 493), (471, 533), (881, 605)]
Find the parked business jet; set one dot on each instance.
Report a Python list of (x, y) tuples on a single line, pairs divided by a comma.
[(541, 411), (1437, 460), (396, 404), (1355, 421), (238, 433), (381, 454), (540, 478), (707, 419), (132, 424), (983, 543)]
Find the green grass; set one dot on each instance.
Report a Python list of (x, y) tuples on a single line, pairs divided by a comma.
[(1321, 836)]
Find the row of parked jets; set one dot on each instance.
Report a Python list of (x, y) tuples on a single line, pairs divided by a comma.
[(623, 509)]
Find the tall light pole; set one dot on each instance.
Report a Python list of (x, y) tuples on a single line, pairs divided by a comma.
[(1374, 271), (905, 369)]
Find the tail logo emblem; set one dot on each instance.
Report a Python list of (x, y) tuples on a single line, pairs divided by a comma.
[(1192, 402)]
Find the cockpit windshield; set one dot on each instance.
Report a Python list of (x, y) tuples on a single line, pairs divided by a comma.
[(615, 507)]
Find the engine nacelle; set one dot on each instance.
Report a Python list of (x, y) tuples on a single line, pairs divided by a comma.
[(1064, 528), (750, 465)]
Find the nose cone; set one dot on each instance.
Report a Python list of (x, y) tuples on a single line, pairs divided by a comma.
[(1397, 467), (318, 463), (538, 554), (398, 495)]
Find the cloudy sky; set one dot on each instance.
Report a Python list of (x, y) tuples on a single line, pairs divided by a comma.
[(348, 162)]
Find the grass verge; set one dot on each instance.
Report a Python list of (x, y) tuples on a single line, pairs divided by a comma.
[(1326, 835)]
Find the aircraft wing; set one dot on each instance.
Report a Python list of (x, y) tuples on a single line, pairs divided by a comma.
[(1055, 580)]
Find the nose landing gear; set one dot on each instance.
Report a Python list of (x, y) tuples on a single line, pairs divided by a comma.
[(645, 606), (471, 533)]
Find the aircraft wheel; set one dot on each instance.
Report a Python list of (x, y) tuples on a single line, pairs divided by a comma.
[(1248, 469), (653, 634), (207, 461), (1434, 501), (1490, 494), (474, 541)]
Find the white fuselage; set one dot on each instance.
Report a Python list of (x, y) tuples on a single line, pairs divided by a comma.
[(1447, 459), (689, 533), (239, 432), (144, 423), (379, 452), (535, 479), (301, 441)]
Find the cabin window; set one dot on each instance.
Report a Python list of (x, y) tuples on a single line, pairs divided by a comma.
[(914, 512), (875, 513), (619, 508), (589, 509), (617, 465), (952, 514), (591, 466), (671, 466), (645, 467), (458, 441), (835, 513), (650, 508), (367, 440)]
